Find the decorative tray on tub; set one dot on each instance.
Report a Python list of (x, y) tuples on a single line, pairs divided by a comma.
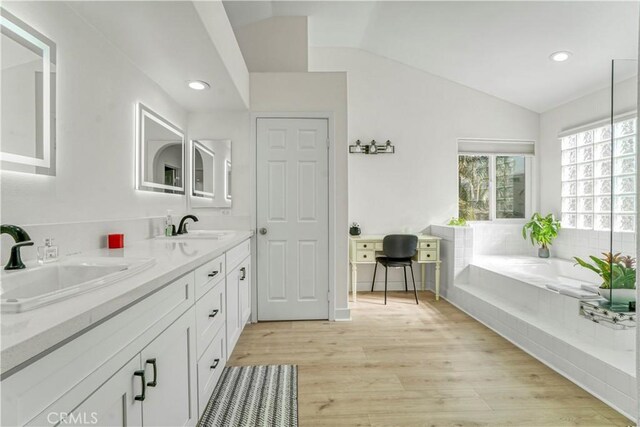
[(616, 316)]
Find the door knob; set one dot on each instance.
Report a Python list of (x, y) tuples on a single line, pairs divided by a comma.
[(263, 231)]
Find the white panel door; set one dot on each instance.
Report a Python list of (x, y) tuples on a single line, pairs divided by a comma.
[(293, 219)]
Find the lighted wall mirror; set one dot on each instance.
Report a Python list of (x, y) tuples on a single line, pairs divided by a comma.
[(160, 153), (28, 97), (210, 173)]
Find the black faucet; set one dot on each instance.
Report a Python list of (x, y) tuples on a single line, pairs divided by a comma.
[(22, 239), (182, 228)]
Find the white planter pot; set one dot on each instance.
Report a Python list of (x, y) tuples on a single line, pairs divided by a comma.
[(620, 296)]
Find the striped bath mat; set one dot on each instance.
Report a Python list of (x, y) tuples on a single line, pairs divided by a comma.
[(254, 396)]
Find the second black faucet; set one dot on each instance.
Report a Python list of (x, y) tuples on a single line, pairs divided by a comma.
[(182, 228)]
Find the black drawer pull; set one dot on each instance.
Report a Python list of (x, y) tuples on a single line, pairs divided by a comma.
[(140, 397), (243, 270), (364, 256), (152, 362), (428, 255), (213, 273), (214, 313), (215, 363)]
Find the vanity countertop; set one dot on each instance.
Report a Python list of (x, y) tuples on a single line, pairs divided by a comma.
[(32, 333)]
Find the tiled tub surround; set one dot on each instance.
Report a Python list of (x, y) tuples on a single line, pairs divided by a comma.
[(456, 252), (582, 243), (515, 303), (33, 333)]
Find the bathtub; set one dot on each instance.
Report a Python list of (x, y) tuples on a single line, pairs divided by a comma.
[(538, 272), (509, 294)]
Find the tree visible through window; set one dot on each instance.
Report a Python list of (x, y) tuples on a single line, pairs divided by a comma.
[(473, 188), (479, 200), (510, 187)]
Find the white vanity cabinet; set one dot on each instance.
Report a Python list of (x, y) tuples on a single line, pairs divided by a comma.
[(113, 404), (155, 363), (238, 293), (159, 395)]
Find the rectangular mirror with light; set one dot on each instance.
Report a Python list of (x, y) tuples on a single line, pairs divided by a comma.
[(160, 153), (211, 173), (28, 88)]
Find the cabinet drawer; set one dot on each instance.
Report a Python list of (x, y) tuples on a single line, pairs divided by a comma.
[(208, 275), (210, 367), (237, 254), (210, 315), (428, 255), (431, 244), (365, 245), (364, 256), (377, 246)]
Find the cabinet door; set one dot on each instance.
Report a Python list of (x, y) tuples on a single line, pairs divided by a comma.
[(170, 367), (244, 286), (233, 310), (113, 404)]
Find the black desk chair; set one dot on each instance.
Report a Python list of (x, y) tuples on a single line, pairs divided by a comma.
[(398, 249)]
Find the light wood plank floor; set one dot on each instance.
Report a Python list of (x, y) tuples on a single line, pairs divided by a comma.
[(405, 364)]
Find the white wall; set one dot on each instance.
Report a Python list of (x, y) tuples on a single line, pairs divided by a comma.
[(585, 110), (316, 92), (279, 43), (233, 125), (423, 115), (582, 111), (97, 91)]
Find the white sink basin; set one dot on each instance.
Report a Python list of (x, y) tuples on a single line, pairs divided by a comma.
[(200, 234), (35, 286)]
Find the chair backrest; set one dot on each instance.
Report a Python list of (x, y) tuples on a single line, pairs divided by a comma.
[(400, 245)]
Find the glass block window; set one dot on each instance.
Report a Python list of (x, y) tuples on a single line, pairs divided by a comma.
[(599, 178)]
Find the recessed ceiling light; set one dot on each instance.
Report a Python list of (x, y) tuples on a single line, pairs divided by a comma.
[(198, 85), (561, 56)]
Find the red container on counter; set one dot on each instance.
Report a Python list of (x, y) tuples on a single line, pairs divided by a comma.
[(116, 241)]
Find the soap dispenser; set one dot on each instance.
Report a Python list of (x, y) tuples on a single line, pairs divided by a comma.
[(168, 225), (48, 252)]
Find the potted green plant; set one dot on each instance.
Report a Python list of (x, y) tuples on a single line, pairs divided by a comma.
[(618, 273), (457, 222), (541, 230)]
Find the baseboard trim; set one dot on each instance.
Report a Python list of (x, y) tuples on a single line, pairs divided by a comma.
[(343, 315)]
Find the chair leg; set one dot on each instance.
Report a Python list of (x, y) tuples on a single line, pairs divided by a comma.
[(385, 284), (404, 268), (415, 292), (373, 282)]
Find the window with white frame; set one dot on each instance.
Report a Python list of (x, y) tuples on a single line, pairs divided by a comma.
[(598, 179), (494, 179)]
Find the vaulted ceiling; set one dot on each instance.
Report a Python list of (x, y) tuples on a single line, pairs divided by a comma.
[(501, 48)]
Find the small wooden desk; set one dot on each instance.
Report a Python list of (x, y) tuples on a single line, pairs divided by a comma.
[(364, 248)]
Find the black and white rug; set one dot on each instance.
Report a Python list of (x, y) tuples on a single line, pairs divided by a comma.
[(254, 396)]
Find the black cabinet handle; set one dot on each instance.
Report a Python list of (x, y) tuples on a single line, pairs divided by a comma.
[(215, 363), (214, 313), (140, 374), (155, 372), (243, 270), (213, 273)]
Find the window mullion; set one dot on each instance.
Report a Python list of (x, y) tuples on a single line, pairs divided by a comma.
[(492, 188)]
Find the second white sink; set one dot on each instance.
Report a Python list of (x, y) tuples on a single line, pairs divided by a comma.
[(200, 234), (36, 286)]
